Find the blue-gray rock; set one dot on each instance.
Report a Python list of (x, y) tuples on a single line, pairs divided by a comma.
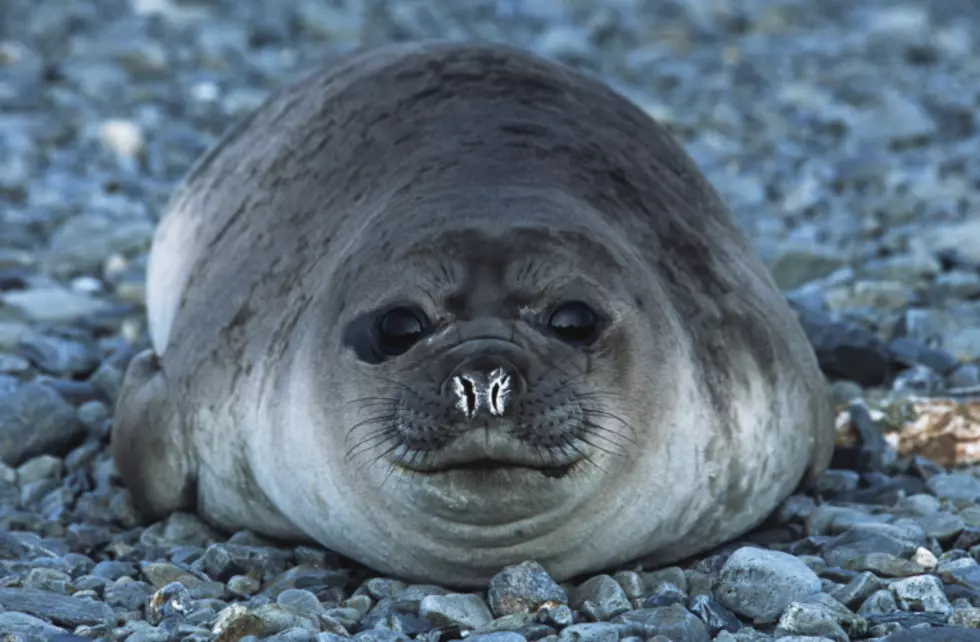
[(32, 628), (860, 542), (60, 354), (36, 420), (604, 595), (955, 486), (523, 588), (673, 622), (464, 610), (845, 350), (860, 588), (923, 593), (810, 619), (590, 632), (759, 584), (63, 610), (714, 615), (879, 602), (500, 636)]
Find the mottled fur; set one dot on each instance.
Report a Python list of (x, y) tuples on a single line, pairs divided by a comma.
[(423, 168)]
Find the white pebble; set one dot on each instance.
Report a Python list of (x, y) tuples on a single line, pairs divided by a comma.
[(114, 266), (122, 136), (86, 285), (924, 558), (205, 92)]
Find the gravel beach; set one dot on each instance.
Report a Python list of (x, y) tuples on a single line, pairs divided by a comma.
[(846, 138)]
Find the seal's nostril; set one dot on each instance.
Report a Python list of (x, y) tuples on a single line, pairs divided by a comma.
[(467, 399), (499, 391)]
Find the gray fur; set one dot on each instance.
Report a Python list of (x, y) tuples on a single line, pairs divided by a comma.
[(483, 184)]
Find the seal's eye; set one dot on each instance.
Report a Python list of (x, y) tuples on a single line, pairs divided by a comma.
[(575, 322), (398, 330)]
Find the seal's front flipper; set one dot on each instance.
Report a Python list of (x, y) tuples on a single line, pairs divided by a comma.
[(149, 446)]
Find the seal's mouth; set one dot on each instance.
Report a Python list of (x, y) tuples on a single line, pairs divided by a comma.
[(487, 466), (489, 451)]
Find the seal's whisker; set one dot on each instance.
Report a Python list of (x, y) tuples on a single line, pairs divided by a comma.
[(382, 456), (586, 456), (629, 436), (620, 452), (378, 419), (367, 400), (609, 436), (412, 472), (375, 439), (605, 394)]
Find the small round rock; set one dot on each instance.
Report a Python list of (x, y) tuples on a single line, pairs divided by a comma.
[(523, 588), (759, 583)]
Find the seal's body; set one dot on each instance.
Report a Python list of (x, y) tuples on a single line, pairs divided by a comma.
[(444, 308)]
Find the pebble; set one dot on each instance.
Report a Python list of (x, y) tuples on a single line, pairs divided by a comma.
[(760, 584), (602, 597), (921, 593), (51, 304), (523, 588), (462, 610), (34, 420), (62, 610)]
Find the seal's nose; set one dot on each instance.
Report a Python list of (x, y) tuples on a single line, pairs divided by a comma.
[(484, 384)]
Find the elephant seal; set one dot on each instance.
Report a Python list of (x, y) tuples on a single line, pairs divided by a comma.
[(445, 307)]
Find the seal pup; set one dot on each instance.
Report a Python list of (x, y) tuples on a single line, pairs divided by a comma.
[(446, 307)]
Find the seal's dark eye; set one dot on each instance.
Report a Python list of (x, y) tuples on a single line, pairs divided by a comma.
[(575, 322), (398, 330)]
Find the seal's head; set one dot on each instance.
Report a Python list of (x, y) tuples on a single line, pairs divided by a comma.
[(497, 354), (489, 372)]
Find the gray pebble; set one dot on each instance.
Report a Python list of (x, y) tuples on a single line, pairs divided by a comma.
[(521, 588), (558, 617), (760, 584), (243, 586), (810, 619), (943, 526), (301, 601), (673, 622), (590, 632), (921, 593), (464, 610), (879, 602), (955, 486), (29, 626), (52, 304), (48, 579), (604, 594), (671, 575), (40, 468), (35, 420), (127, 594), (965, 376), (66, 356), (859, 589), (884, 564), (62, 610), (501, 636), (714, 615)]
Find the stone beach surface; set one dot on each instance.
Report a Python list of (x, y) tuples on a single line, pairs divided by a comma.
[(843, 135)]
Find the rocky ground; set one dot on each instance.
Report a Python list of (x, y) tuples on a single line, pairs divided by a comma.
[(843, 134)]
